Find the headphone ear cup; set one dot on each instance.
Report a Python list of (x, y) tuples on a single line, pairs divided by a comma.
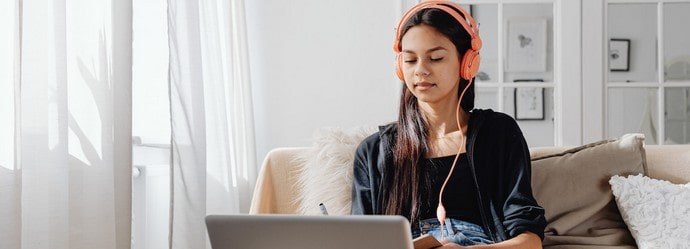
[(398, 67), (469, 66)]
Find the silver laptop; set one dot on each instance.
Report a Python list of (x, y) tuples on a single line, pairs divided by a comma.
[(245, 231)]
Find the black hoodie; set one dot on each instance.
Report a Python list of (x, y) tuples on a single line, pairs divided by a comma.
[(499, 159)]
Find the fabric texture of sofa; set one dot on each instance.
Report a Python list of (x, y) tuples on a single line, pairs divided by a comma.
[(648, 205)]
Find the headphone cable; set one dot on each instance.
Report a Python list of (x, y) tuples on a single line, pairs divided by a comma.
[(440, 210)]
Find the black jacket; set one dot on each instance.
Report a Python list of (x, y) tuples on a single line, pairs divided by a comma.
[(499, 158)]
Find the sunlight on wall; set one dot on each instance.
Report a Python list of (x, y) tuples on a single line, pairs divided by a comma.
[(7, 74)]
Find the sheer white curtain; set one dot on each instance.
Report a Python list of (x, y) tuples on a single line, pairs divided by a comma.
[(67, 182), (213, 166)]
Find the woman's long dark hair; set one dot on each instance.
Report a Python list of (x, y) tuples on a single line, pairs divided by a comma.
[(404, 183)]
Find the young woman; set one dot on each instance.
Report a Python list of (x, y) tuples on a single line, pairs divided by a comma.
[(458, 173)]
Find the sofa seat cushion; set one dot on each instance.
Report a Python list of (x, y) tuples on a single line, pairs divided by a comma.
[(572, 186)]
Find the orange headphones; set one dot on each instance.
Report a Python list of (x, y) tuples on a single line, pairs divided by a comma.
[(469, 64)]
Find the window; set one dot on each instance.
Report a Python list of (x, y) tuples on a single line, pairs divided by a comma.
[(150, 125)]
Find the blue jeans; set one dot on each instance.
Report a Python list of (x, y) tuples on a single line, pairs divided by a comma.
[(457, 231)]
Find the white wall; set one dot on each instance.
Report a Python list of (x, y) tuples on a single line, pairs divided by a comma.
[(320, 64)]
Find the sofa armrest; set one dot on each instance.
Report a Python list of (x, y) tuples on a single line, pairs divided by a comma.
[(275, 190)]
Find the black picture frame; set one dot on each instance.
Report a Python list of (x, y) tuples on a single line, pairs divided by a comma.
[(619, 55), (528, 101)]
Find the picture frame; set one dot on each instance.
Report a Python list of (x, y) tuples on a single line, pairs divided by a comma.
[(529, 101), (526, 43), (619, 55)]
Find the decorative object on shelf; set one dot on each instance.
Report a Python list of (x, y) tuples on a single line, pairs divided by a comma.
[(526, 45), (483, 76), (677, 69), (529, 101), (619, 55)]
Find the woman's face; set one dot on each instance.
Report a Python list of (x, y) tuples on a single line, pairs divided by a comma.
[(430, 64)]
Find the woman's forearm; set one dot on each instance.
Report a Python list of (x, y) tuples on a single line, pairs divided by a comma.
[(526, 240)]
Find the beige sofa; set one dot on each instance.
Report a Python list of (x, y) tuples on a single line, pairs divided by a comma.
[(571, 183)]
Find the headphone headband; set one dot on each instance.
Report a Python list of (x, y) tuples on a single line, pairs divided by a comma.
[(452, 9)]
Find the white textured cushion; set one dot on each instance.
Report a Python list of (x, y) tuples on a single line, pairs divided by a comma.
[(327, 168), (657, 212)]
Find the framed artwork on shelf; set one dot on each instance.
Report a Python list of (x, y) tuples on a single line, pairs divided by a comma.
[(526, 45), (619, 55), (529, 101)]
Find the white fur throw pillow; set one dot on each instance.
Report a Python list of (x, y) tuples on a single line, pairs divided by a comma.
[(657, 212), (326, 172)]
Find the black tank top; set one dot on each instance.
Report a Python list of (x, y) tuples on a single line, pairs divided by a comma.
[(460, 194)]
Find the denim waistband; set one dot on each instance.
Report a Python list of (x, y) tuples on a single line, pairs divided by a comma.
[(457, 231)]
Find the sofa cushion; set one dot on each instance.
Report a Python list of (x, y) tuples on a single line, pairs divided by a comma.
[(656, 211), (572, 186)]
